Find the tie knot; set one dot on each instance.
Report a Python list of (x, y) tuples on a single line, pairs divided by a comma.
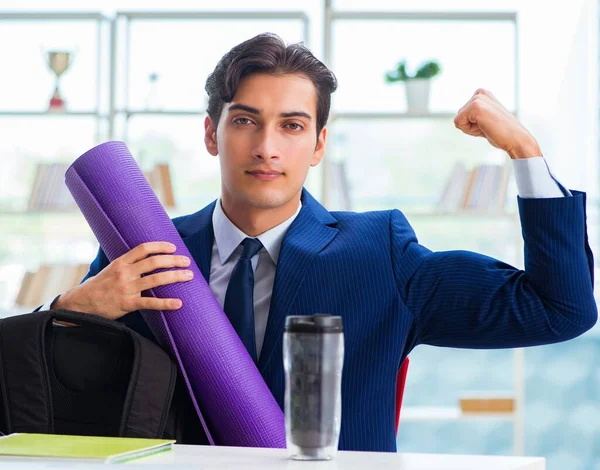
[(251, 247)]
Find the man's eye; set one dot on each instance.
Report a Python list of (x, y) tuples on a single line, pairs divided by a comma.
[(242, 121), (294, 126)]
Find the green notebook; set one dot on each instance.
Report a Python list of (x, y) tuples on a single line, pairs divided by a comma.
[(104, 449)]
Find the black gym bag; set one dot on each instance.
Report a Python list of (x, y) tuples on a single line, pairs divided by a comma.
[(96, 378)]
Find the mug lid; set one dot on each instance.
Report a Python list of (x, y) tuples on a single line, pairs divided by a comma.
[(317, 323)]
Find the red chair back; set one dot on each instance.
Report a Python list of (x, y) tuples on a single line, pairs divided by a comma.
[(400, 382)]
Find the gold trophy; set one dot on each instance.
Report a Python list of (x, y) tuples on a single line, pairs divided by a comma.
[(59, 62)]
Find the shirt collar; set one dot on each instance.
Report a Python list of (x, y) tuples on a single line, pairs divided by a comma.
[(228, 237)]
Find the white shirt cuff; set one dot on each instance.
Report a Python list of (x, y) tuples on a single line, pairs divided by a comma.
[(535, 181), (48, 305)]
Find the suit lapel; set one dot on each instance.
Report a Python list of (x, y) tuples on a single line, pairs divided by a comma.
[(200, 237), (310, 233)]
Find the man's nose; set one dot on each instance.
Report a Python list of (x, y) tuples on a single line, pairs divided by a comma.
[(267, 146)]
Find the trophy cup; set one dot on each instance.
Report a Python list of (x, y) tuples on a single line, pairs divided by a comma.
[(59, 62)]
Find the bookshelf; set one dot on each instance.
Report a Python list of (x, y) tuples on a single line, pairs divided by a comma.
[(161, 112), (44, 114), (448, 413), (388, 115)]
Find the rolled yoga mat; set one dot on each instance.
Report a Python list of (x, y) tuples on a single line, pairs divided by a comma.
[(223, 381)]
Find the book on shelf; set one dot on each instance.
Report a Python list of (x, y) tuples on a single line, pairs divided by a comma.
[(47, 282), (487, 402), (49, 191), (481, 189), (159, 178)]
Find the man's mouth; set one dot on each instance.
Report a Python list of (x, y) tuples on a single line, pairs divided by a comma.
[(265, 175)]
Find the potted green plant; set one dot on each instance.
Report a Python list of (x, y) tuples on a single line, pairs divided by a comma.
[(417, 85)]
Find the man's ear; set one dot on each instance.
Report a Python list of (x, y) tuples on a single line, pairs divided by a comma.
[(210, 136), (320, 148)]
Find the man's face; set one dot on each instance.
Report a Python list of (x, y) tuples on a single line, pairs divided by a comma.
[(266, 140)]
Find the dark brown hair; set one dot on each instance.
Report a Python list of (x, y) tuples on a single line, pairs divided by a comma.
[(267, 53)]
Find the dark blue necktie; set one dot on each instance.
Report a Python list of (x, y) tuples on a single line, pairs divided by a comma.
[(239, 299)]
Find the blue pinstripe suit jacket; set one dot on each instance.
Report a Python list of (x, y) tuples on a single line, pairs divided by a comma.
[(394, 294)]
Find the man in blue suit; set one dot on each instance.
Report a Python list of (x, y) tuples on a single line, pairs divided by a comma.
[(268, 249)]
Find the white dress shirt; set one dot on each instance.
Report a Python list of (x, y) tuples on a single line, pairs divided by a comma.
[(533, 179), (226, 252)]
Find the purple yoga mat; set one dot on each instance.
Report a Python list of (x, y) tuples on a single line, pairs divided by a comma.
[(223, 381)]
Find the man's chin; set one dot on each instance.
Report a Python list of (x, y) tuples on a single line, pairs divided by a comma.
[(268, 199)]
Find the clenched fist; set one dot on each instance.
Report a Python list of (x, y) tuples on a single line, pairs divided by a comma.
[(484, 116)]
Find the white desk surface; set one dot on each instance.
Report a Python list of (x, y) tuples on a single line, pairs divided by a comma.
[(225, 458)]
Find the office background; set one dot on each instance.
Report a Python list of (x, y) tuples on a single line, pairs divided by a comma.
[(138, 72)]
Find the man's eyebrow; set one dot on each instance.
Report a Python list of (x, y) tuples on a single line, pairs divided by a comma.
[(296, 114), (252, 110), (243, 107)]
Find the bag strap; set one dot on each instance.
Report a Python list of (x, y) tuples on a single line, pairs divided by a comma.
[(152, 380), (86, 319), (148, 399), (3, 411), (24, 374)]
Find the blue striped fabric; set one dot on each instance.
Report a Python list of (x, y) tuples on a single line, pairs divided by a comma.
[(394, 294)]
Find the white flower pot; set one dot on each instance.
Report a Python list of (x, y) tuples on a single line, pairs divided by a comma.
[(417, 95)]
